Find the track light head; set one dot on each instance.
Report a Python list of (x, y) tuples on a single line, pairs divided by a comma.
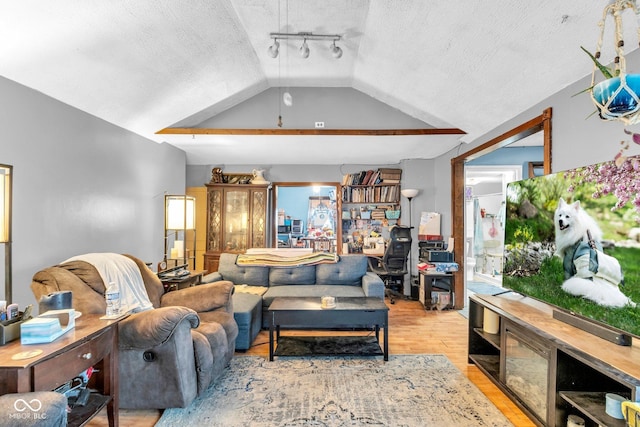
[(304, 49), (274, 49), (335, 50)]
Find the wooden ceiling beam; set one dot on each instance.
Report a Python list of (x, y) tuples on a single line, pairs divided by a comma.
[(349, 132)]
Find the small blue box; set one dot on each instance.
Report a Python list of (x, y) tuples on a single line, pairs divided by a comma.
[(47, 327), (446, 267)]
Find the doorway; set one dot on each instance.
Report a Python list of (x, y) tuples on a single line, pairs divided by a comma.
[(306, 215), (540, 124), (484, 220)]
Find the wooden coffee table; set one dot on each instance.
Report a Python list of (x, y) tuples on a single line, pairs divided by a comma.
[(307, 313)]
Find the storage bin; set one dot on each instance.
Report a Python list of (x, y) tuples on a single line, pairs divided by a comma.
[(10, 329), (392, 214)]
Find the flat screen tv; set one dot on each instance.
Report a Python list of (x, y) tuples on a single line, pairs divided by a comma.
[(572, 240)]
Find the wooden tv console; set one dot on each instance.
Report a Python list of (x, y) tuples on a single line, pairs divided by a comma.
[(548, 368)]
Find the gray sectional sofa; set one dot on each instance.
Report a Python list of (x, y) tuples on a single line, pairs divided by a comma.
[(346, 278)]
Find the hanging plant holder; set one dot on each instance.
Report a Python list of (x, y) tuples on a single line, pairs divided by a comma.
[(618, 97)]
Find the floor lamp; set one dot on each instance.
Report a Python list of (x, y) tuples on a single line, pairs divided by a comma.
[(6, 175), (410, 193), (180, 217)]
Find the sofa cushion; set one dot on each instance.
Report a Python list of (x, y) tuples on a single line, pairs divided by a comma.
[(303, 275), (311, 291), (249, 275), (348, 271), (247, 312)]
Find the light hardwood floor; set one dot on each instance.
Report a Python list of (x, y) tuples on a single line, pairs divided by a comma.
[(412, 331)]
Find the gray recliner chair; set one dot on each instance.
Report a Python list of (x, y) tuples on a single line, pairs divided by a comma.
[(35, 409), (167, 355)]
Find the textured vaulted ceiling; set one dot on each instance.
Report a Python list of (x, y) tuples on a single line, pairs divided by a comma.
[(146, 65)]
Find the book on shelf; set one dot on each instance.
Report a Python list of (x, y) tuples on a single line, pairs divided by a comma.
[(387, 173), (367, 177), (371, 177)]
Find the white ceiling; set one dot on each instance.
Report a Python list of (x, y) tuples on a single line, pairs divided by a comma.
[(145, 65)]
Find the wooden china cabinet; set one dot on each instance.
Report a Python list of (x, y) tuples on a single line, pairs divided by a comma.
[(236, 220)]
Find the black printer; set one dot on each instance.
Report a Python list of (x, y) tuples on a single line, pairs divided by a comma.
[(434, 251)]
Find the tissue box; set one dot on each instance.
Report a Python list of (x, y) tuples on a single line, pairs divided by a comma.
[(47, 327)]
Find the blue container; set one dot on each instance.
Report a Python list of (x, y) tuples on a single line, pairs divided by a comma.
[(624, 102)]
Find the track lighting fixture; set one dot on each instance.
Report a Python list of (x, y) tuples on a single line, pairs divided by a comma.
[(273, 50)]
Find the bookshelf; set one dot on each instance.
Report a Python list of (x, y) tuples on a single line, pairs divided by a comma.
[(370, 205)]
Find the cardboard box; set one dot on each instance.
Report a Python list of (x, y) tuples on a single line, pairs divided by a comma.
[(429, 223)]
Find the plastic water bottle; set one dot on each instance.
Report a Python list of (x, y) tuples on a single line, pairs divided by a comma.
[(112, 295)]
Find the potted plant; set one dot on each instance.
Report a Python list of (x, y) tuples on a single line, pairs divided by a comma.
[(616, 97)]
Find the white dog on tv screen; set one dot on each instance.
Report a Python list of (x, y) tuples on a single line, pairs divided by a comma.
[(589, 272)]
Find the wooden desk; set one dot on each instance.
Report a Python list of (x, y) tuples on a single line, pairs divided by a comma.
[(174, 283), (93, 342), (429, 281)]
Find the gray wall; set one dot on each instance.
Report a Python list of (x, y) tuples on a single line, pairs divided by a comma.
[(338, 108), (80, 185)]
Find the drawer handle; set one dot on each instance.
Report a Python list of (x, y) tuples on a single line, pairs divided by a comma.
[(87, 356)]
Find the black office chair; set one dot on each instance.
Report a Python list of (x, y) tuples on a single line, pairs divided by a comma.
[(392, 266)]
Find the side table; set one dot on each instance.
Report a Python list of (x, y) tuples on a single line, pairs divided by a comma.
[(173, 283), (93, 342)]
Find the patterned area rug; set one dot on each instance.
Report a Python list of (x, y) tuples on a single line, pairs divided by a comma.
[(415, 390)]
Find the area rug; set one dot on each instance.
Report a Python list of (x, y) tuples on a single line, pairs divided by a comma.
[(329, 346), (410, 390)]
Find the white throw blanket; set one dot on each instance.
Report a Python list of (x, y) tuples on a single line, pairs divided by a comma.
[(124, 272)]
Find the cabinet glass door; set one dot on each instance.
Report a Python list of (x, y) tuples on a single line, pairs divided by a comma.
[(236, 220), (259, 219), (527, 373)]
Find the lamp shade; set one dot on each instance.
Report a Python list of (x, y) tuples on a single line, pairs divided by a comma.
[(409, 193), (5, 204), (180, 212)]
